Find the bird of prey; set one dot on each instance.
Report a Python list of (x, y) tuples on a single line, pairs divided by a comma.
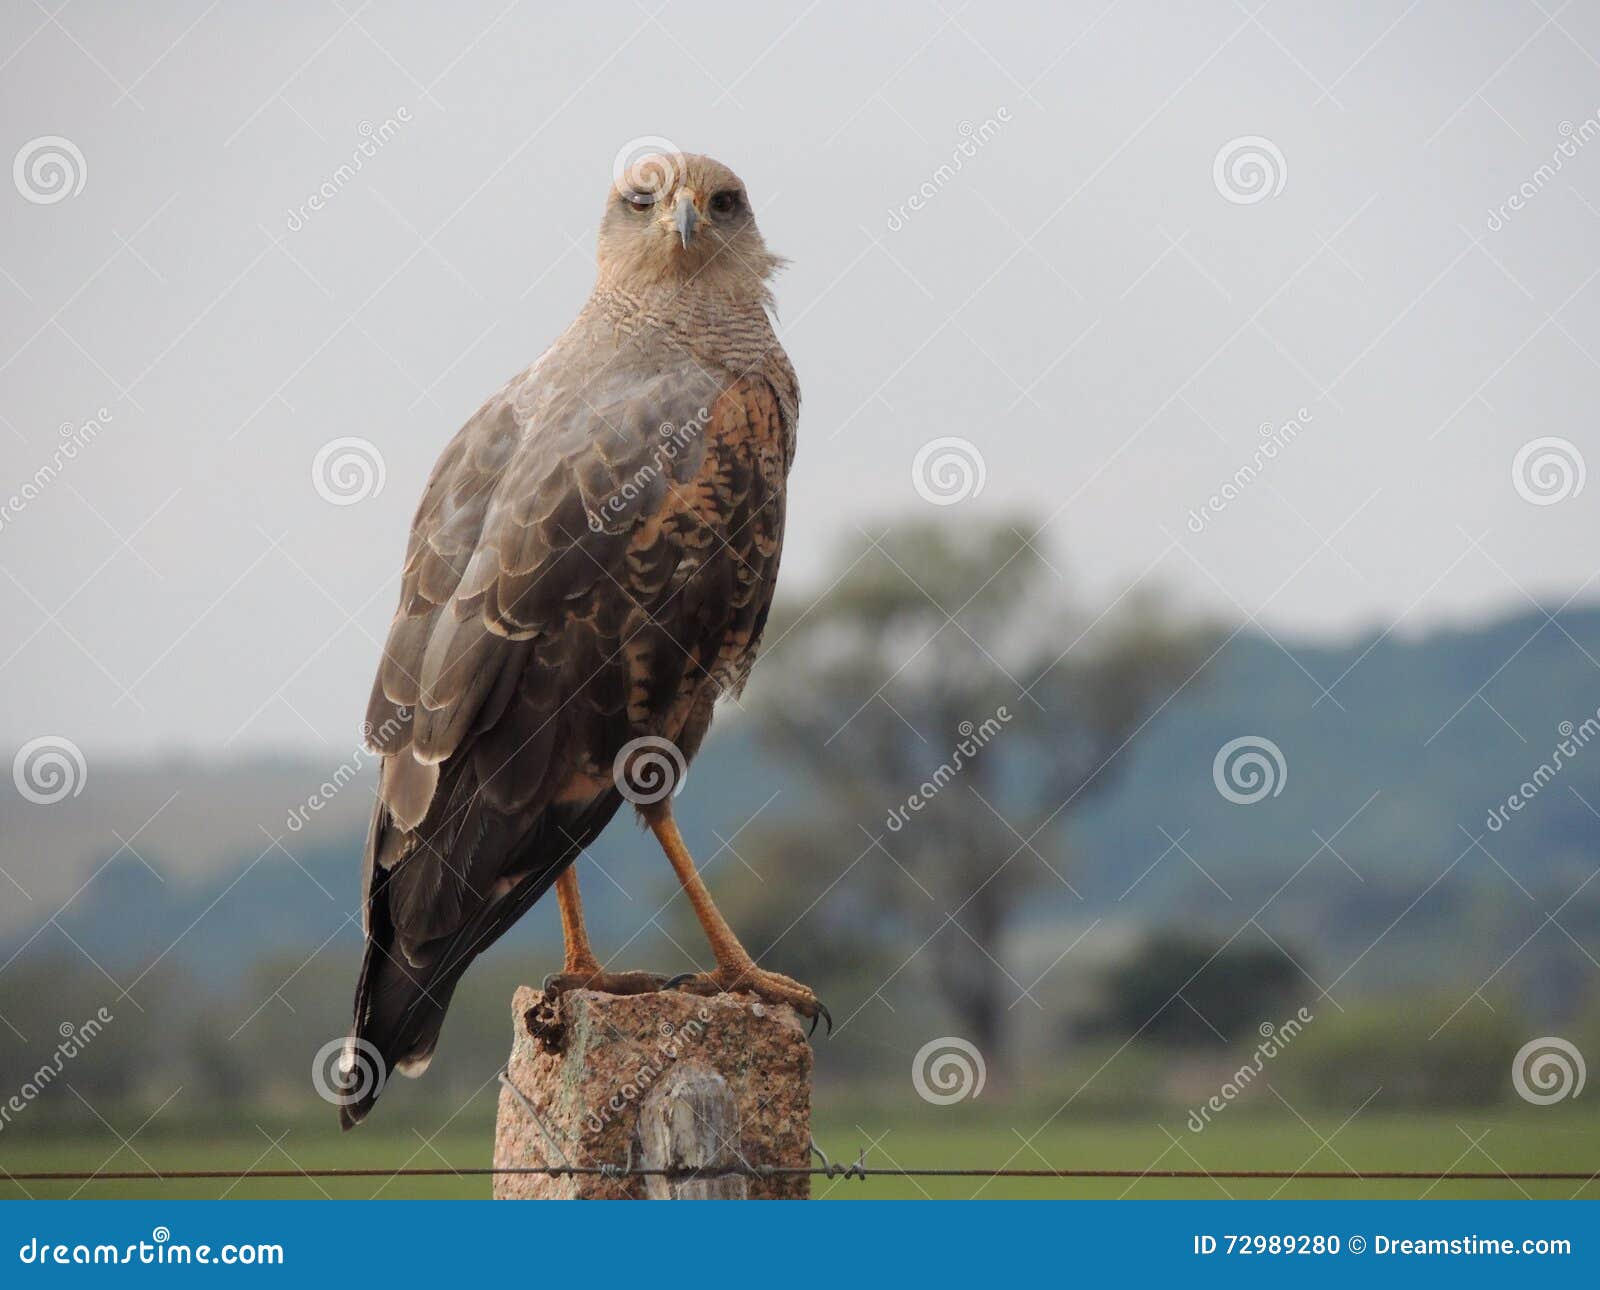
[(589, 570)]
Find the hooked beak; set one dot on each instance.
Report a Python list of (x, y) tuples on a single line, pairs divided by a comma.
[(684, 218)]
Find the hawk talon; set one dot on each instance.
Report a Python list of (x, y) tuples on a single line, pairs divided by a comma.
[(771, 987)]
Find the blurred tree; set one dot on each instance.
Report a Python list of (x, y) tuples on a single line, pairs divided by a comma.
[(1395, 1053), (1191, 991), (954, 714), (70, 1039)]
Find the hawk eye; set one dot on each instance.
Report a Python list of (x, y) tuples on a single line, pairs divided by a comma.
[(726, 202), (639, 199)]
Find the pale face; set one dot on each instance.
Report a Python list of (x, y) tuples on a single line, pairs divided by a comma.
[(685, 217)]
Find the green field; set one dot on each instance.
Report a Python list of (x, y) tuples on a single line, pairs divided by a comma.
[(1557, 1138)]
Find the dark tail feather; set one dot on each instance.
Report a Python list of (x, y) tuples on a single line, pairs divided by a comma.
[(400, 1006), (399, 1013)]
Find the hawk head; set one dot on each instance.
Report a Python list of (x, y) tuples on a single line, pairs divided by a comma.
[(676, 218)]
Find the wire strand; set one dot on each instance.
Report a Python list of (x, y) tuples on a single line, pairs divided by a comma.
[(795, 1171)]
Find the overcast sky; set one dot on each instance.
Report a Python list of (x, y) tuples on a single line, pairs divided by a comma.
[(1102, 244)]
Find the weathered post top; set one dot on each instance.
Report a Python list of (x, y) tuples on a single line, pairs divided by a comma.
[(661, 1080)]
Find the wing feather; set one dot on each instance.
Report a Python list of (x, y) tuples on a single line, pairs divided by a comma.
[(580, 570)]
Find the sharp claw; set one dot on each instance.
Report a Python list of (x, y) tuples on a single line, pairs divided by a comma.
[(549, 977), (674, 982), (825, 1015)]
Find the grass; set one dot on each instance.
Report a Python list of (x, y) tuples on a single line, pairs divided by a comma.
[(1512, 1139)]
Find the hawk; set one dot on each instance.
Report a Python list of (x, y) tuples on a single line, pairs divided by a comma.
[(588, 572)]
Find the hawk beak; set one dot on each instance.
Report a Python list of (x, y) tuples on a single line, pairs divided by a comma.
[(684, 218)]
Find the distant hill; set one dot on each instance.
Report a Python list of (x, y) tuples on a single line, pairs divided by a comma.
[(1396, 750)]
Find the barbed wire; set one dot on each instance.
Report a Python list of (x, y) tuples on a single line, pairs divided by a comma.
[(825, 1168), (833, 1170)]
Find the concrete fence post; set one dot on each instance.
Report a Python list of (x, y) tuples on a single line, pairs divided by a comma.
[(664, 1081)]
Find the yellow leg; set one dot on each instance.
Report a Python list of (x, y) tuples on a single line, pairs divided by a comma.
[(736, 970), (725, 946), (579, 955), (580, 969)]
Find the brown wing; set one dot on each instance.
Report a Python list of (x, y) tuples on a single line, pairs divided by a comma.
[(581, 571)]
